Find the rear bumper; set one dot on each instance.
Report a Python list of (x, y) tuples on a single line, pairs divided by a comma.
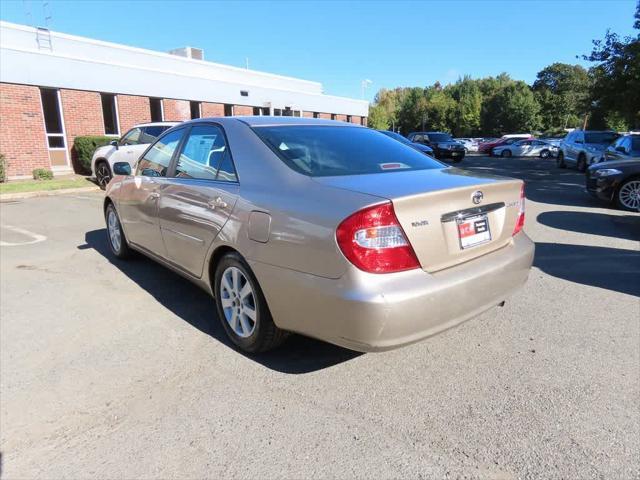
[(368, 312)]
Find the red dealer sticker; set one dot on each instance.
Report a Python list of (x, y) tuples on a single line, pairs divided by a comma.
[(474, 231)]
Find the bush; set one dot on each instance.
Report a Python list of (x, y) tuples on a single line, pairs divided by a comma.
[(3, 169), (84, 147), (42, 174)]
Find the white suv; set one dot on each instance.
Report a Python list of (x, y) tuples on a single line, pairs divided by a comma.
[(127, 149)]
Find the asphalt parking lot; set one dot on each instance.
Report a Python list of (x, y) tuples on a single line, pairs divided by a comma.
[(114, 369)]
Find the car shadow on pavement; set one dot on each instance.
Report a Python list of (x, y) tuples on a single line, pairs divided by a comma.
[(298, 355), (618, 226), (609, 268), (544, 182)]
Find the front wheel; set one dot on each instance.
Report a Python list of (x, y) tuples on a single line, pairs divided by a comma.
[(628, 195), (505, 153), (117, 240), (242, 308), (103, 174), (560, 161), (545, 154)]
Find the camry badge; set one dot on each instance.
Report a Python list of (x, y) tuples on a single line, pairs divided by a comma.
[(476, 197)]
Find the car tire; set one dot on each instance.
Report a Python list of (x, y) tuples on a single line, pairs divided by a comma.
[(628, 195), (115, 234), (560, 161), (242, 308), (582, 163), (545, 154), (103, 174), (506, 153)]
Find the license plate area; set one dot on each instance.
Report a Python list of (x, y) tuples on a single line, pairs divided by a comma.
[(473, 231)]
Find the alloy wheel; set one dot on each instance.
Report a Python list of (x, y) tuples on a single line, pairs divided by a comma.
[(629, 195), (103, 175), (113, 226), (238, 302)]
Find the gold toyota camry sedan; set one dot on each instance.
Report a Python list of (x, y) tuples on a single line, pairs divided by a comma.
[(323, 228)]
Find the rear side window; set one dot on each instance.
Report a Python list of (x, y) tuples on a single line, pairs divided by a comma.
[(151, 134), (604, 138), (635, 142), (155, 162), (321, 151)]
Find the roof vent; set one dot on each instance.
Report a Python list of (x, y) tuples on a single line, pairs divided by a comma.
[(188, 52)]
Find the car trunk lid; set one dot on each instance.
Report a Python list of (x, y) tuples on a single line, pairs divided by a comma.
[(437, 211)]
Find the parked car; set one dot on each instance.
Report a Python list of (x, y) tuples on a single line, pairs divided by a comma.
[(526, 148), (470, 145), (443, 145), (581, 148), (127, 149), (488, 146), (617, 182), (323, 228), (624, 148), (418, 146)]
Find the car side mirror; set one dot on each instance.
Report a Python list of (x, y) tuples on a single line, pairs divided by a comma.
[(121, 168), (621, 149), (579, 141), (114, 143)]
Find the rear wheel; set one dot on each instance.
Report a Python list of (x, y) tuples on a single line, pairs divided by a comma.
[(242, 308), (103, 174), (505, 153), (628, 195), (117, 240), (582, 163), (560, 161)]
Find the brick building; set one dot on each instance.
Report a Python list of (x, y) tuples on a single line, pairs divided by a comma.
[(55, 87)]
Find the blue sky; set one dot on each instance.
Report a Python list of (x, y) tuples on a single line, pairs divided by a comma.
[(342, 43)]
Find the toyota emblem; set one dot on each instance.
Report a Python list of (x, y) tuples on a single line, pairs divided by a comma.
[(477, 197)]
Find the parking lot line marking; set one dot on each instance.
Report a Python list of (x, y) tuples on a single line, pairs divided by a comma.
[(37, 238)]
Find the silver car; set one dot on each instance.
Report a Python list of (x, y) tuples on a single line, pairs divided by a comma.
[(526, 148), (324, 228), (581, 148)]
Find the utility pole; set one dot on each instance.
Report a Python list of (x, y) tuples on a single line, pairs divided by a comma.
[(586, 117), (364, 85)]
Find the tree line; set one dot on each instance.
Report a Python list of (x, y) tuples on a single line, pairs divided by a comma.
[(607, 95)]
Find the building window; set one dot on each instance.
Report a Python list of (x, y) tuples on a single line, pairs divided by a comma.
[(110, 114), (315, 115), (244, 93), (333, 116), (277, 112), (296, 113), (349, 118), (195, 109), (228, 110), (362, 122), (157, 112), (52, 118)]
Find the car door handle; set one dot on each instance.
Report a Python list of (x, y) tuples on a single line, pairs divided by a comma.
[(217, 202), (129, 151)]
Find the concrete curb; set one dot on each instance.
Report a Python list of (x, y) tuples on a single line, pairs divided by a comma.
[(45, 193)]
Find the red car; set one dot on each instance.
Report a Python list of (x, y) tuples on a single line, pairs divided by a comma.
[(486, 147)]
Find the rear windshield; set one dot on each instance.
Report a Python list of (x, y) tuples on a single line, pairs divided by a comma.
[(323, 151), (600, 137), (440, 137)]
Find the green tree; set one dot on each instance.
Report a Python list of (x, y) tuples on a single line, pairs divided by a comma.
[(466, 115), (562, 91), (616, 85), (513, 108)]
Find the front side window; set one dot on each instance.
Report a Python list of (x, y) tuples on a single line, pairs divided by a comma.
[(320, 151), (440, 137), (132, 137), (155, 162), (202, 153), (109, 113)]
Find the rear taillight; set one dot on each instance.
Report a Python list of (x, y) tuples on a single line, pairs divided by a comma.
[(373, 240), (520, 219)]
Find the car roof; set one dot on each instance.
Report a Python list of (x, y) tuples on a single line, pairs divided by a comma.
[(262, 121), (157, 124)]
